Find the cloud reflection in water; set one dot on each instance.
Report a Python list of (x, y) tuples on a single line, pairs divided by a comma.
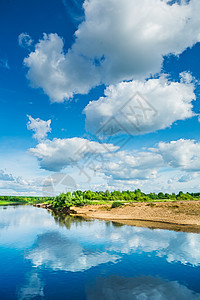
[(139, 288)]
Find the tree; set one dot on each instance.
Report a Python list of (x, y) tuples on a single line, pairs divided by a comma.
[(161, 195)]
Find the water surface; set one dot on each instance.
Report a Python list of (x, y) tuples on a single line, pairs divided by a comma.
[(45, 256)]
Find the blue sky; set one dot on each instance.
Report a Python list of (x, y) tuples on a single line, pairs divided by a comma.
[(76, 64)]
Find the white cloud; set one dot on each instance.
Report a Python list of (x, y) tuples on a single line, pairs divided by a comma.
[(25, 40), (144, 287), (58, 74), (162, 180), (20, 166), (117, 41), (40, 127), (20, 186), (175, 162), (126, 166), (187, 177), (12, 185), (181, 154), (158, 105), (59, 153), (6, 177)]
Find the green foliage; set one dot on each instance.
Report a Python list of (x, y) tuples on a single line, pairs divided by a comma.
[(69, 200), (161, 195), (80, 198), (116, 204), (186, 196), (8, 200), (117, 198), (153, 196)]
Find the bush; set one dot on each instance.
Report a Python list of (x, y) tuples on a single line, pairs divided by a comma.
[(80, 202), (116, 204)]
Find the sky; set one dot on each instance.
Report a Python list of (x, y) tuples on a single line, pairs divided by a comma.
[(99, 95)]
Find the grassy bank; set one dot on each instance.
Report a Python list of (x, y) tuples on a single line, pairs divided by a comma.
[(20, 200)]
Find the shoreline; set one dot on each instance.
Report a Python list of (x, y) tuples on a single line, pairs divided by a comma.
[(151, 224), (178, 216)]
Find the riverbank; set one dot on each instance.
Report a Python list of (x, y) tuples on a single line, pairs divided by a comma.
[(178, 216)]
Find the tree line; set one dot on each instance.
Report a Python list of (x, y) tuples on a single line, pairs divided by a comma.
[(78, 198)]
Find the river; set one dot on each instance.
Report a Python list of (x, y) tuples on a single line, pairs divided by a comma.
[(46, 256)]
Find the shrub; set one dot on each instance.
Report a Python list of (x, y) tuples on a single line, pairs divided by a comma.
[(116, 204), (80, 202)]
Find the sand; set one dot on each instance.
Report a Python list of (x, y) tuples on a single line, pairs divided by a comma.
[(178, 216)]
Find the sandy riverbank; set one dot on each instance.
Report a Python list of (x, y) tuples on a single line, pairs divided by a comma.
[(179, 216)]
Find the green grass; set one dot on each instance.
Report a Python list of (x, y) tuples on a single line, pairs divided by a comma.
[(12, 200), (3, 203)]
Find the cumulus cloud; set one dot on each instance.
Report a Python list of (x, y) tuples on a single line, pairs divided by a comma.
[(6, 177), (126, 166), (59, 75), (59, 153), (24, 40), (117, 41), (144, 287), (139, 107), (113, 164), (19, 186), (181, 154), (16, 185), (187, 177), (40, 127)]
